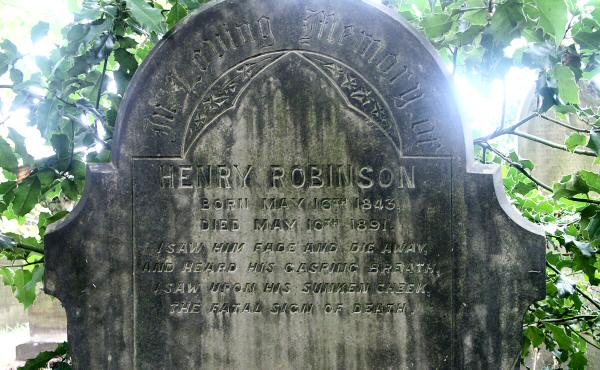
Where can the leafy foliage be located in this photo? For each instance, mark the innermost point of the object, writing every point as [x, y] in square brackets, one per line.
[561, 41]
[57, 359]
[66, 98]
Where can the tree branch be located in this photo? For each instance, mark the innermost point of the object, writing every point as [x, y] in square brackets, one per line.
[551, 144]
[512, 130]
[503, 119]
[101, 82]
[471, 9]
[566, 319]
[563, 124]
[94, 132]
[504, 131]
[30, 248]
[516, 165]
[520, 168]
[26, 264]
[584, 338]
[454, 60]
[583, 294]
[569, 26]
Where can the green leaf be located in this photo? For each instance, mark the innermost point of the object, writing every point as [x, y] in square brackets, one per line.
[588, 40]
[524, 187]
[24, 293]
[147, 16]
[27, 195]
[594, 142]
[570, 186]
[69, 188]
[565, 287]
[127, 62]
[39, 31]
[41, 361]
[593, 227]
[436, 25]
[20, 147]
[553, 18]
[561, 337]
[62, 366]
[568, 90]
[16, 76]
[6, 242]
[8, 160]
[592, 180]
[478, 18]
[127, 43]
[78, 169]
[62, 148]
[578, 361]
[526, 163]
[576, 139]
[506, 23]
[9, 48]
[177, 13]
[535, 335]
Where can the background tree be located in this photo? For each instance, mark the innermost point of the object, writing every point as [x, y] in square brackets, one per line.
[73, 96]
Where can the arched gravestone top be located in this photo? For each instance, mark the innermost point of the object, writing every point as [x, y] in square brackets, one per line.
[289, 190]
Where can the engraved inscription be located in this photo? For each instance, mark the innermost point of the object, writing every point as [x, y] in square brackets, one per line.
[227, 37]
[162, 119]
[382, 271]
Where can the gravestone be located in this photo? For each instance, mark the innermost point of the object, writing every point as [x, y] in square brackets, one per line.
[563, 163]
[47, 327]
[290, 189]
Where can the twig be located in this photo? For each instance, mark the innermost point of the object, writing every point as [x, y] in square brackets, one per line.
[72, 145]
[520, 168]
[508, 130]
[6, 86]
[503, 119]
[26, 264]
[454, 60]
[583, 200]
[101, 82]
[94, 132]
[73, 105]
[577, 317]
[484, 152]
[563, 124]
[475, 8]
[583, 294]
[516, 165]
[584, 338]
[551, 144]
[3, 121]
[30, 248]
[569, 26]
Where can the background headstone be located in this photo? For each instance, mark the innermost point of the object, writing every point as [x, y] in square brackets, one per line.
[47, 327]
[290, 189]
[562, 163]
[11, 311]
[549, 171]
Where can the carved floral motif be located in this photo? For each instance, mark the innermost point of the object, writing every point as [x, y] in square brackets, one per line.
[224, 93]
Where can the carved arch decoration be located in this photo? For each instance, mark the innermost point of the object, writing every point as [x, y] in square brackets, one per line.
[224, 94]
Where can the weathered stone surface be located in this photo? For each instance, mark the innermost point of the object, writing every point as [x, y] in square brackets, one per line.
[290, 190]
[47, 327]
[562, 163]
